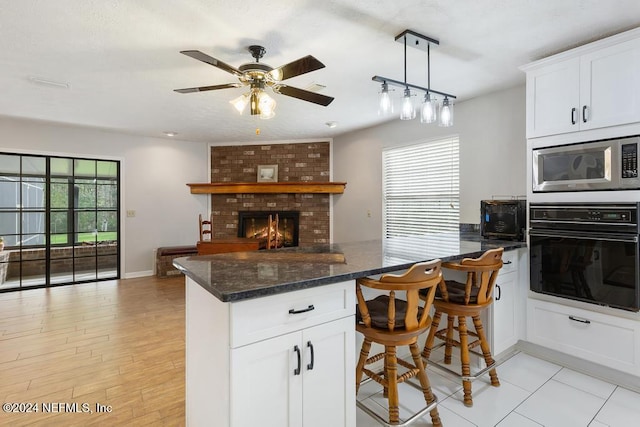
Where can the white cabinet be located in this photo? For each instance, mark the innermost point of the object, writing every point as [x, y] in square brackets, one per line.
[507, 314]
[553, 99]
[242, 358]
[594, 86]
[600, 338]
[297, 379]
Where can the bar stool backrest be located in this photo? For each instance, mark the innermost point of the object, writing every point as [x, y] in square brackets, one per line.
[424, 275]
[481, 273]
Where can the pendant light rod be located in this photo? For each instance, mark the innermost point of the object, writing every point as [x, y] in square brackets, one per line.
[381, 79]
[405, 62]
[428, 68]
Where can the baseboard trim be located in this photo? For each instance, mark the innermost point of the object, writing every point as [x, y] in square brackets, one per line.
[136, 274]
[595, 370]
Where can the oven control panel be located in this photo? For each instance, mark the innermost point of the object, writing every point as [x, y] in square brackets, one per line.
[609, 214]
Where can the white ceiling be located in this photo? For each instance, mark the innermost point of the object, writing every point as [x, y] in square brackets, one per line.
[121, 60]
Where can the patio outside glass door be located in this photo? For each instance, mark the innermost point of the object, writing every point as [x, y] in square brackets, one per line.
[59, 219]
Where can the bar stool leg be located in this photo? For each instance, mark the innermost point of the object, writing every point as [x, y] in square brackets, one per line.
[392, 381]
[424, 383]
[449, 346]
[464, 359]
[486, 350]
[364, 354]
[426, 352]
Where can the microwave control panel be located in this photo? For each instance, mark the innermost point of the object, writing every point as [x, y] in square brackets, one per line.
[629, 160]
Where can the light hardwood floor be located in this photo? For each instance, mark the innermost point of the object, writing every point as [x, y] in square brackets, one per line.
[117, 343]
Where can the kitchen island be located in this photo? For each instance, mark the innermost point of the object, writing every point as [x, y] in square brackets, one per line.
[270, 337]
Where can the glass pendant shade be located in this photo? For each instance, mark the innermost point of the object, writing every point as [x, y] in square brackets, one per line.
[385, 106]
[408, 111]
[267, 106]
[429, 109]
[446, 113]
[240, 103]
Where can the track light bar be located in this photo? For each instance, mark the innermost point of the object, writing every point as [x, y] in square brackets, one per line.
[398, 83]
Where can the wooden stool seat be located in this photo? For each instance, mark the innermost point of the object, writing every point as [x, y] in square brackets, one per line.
[392, 321]
[460, 301]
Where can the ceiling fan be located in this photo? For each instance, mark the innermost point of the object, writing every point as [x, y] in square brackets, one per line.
[258, 76]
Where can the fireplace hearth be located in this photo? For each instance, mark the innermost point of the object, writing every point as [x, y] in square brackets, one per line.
[253, 224]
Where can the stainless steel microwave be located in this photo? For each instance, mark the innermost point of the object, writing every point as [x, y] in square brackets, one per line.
[599, 165]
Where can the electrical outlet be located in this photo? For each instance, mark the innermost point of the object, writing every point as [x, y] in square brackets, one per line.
[131, 213]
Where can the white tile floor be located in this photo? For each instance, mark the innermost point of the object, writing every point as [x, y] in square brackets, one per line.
[533, 392]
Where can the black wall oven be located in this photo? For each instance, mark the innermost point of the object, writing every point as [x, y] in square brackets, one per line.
[586, 252]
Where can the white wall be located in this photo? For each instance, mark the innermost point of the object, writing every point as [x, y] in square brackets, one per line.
[154, 174]
[493, 145]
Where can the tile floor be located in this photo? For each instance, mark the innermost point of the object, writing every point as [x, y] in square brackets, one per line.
[533, 392]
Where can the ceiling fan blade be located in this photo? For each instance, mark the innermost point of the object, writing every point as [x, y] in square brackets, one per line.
[296, 68]
[205, 88]
[196, 54]
[305, 95]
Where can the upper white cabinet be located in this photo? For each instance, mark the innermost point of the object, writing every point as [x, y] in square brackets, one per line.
[593, 86]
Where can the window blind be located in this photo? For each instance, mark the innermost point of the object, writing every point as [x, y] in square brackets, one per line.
[421, 192]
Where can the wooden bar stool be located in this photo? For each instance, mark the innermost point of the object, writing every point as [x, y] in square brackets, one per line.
[462, 300]
[391, 321]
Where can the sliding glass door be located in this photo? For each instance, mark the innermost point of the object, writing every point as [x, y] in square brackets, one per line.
[59, 219]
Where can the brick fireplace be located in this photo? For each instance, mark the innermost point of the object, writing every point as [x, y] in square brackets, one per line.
[297, 162]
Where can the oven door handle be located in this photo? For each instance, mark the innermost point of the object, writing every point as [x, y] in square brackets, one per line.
[629, 238]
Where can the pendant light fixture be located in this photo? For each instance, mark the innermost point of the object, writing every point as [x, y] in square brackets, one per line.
[430, 108]
[385, 106]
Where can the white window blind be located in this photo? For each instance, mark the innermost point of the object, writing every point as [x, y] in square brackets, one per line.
[421, 188]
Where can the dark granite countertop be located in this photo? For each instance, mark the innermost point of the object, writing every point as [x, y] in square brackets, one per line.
[242, 275]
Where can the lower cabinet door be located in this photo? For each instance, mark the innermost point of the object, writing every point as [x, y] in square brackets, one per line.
[301, 379]
[329, 376]
[504, 325]
[266, 386]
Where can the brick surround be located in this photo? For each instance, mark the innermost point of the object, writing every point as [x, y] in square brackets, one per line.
[297, 162]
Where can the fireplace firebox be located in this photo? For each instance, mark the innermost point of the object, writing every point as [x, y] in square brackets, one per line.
[253, 224]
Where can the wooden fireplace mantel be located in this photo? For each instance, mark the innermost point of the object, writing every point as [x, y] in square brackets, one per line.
[267, 187]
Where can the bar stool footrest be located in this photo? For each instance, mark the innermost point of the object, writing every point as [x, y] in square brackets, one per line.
[476, 375]
[421, 413]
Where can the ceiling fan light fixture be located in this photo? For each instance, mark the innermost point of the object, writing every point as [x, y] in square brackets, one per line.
[258, 76]
[266, 106]
[240, 103]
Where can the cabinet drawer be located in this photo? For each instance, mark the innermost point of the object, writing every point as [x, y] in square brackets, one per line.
[261, 318]
[600, 338]
[509, 262]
